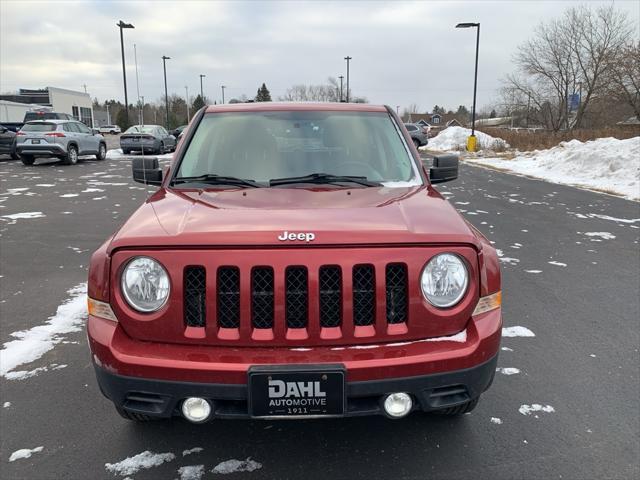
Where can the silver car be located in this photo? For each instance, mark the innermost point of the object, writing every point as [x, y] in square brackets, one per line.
[419, 134]
[147, 139]
[64, 139]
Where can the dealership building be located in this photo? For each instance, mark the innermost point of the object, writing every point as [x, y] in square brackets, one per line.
[77, 104]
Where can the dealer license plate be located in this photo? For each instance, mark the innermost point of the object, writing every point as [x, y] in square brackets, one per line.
[299, 392]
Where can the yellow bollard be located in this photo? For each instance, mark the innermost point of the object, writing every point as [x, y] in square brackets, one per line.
[471, 143]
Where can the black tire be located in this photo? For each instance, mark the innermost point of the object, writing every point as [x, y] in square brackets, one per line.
[112, 132]
[71, 158]
[14, 155]
[102, 152]
[416, 142]
[134, 417]
[459, 409]
[161, 150]
[27, 159]
[126, 151]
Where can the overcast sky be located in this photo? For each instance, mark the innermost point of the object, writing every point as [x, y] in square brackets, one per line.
[402, 53]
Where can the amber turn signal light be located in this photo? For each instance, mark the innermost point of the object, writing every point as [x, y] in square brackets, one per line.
[488, 303]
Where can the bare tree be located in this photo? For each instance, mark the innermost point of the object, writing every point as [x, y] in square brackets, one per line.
[567, 55]
[624, 78]
[328, 92]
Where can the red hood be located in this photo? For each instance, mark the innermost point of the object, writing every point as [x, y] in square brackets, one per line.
[257, 217]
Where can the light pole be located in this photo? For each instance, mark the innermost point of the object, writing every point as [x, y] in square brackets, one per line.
[201, 90]
[223, 87]
[398, 110]
[142, 113]
[135, 56]
[186, 90]
[166, 95]
[122, 25]
[471, 141]
[341, 77]
[347, 58]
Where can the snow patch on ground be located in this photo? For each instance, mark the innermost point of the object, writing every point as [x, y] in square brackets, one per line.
[496, 420]
[16, 216]
[24, 453]
[613, 219]
[69, 195]
[191, 472]
[605, 164]
[233, 466]
[455, 138]
[533, 271]
[6, 404]
[603, 235]
[34, 343]
[558, 264]
[192, 450]
[517, 332]
[144, 460]
[536, 407]
[508, 370]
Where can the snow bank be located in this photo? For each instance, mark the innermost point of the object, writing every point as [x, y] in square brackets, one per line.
[455, 138]
[34, 343]
[605, 164]
[24, 453]
[191, 472]
[233, 466]
[144, 460]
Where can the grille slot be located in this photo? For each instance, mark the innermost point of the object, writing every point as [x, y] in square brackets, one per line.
[228, 297]
[330, 296]
[262, 297]
[364, 295]
[396, 286]
[195, 286]
[297, 297]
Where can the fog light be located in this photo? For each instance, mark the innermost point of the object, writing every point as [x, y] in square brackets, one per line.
[196, 409]
[397, 405]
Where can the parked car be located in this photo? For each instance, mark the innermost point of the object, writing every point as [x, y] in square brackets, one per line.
[38, 115]
[147, 139]
[419, 134]
[64, 139]
[176, 132]
[274, 278]
[8, 142]
[110, 129]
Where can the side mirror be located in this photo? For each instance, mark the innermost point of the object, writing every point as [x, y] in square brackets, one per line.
[444, 169]
[146, 170]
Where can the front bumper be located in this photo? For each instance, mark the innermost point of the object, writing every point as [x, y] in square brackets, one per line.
[153, 378]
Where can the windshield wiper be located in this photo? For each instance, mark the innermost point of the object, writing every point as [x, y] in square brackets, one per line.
[324, 178]
[213, 179]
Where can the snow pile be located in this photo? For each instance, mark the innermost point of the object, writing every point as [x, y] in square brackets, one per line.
[24, 453]
[233, 466]
[191, 472]
[34, 343]
[508, 370]
[131, 465]
[536, 407]
[455, 138]
[605, 164]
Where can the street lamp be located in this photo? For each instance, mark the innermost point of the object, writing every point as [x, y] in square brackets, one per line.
[201, 90]
[223, 87]
[471, 141]
[166, 95]
[186, 90]
[122, 25]
[347, 58]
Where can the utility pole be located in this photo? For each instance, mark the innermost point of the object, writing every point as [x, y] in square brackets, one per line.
[348, 59]
[135, 56]
[122, 25]
[398, 110]
[186, 90]
[471, 141]
[201, 90]
[108, 115]
[341, 77]
[223, 87]
[166, 95]
[85, 87]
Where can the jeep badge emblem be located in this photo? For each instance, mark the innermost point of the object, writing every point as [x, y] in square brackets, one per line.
[302, 236]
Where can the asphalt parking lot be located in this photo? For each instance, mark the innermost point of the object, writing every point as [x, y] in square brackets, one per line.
[563, 405]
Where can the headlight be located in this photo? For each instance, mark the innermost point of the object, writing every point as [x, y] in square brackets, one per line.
[444, 280]
[145, 284]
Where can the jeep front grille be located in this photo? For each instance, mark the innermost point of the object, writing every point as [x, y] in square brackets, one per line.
[283, 300]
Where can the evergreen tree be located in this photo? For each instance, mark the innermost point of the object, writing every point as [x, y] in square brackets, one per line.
[493, 114]
[263, 94]
[198, 103]
[121, 119]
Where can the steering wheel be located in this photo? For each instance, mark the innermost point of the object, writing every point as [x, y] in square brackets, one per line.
[376, 174]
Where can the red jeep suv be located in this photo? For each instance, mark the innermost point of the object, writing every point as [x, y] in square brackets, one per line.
[294, 262]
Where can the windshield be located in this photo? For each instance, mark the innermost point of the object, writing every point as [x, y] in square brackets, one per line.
[38, 127]
[264, 146]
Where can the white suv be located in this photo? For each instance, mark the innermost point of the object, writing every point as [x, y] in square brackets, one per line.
[111, 129]
[64, 139]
